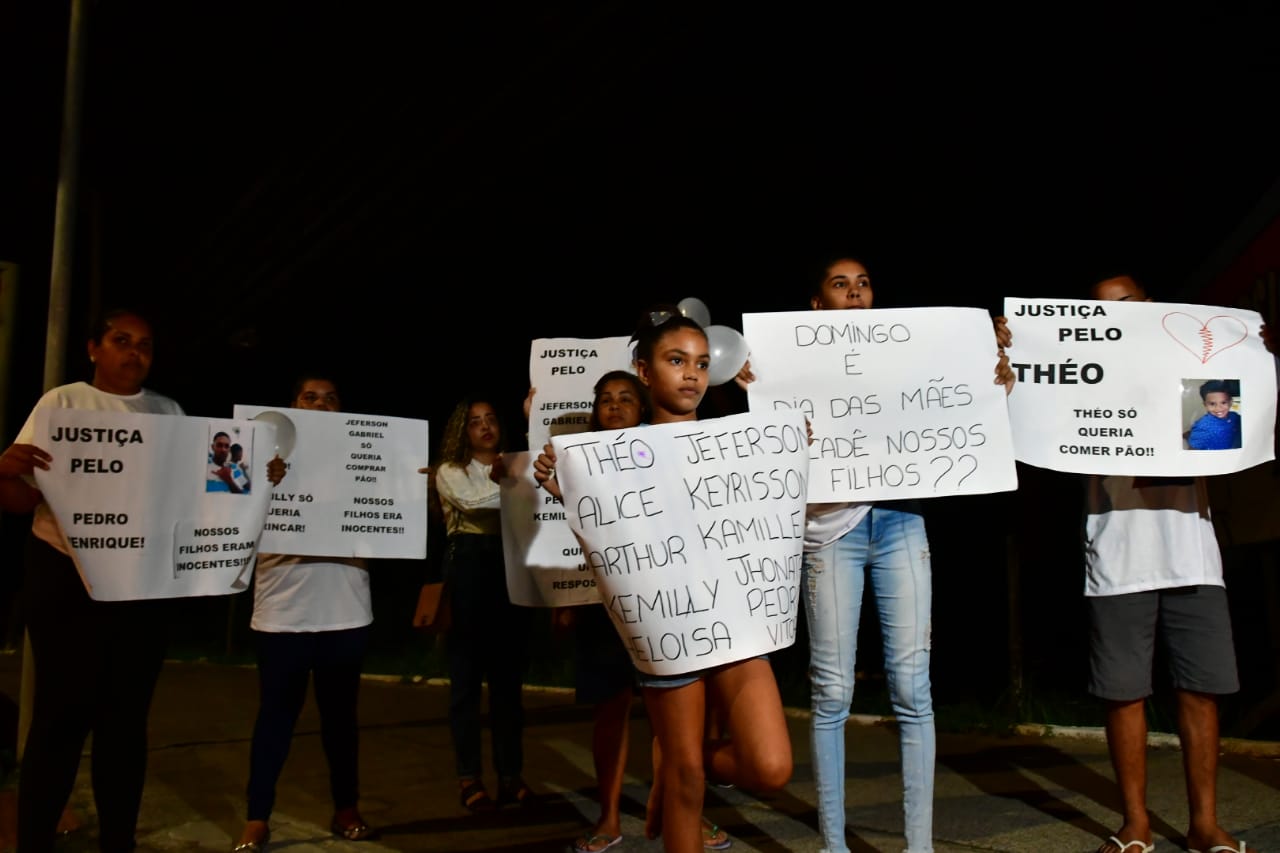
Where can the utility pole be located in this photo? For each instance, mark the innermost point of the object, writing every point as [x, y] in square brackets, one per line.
[64, 234]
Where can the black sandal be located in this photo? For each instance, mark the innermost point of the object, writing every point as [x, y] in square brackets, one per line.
[256, 845]
[356, 830]
[515, 792]
[475, 798]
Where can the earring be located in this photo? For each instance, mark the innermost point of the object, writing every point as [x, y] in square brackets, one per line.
[93, 358]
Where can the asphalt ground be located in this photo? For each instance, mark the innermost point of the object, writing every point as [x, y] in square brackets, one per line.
[1036, 790]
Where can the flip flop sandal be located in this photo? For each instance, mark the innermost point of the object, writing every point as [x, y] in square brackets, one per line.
[713, 837]
[587, 844]
[1143, 847]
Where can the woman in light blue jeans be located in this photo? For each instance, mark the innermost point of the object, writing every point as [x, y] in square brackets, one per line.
[889, 545]
[844, 543]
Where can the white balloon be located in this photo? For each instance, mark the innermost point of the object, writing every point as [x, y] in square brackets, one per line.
[696, 310]
[286, 433]
[728, 353]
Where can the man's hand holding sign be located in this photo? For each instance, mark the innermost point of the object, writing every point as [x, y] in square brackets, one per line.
[1124, 387]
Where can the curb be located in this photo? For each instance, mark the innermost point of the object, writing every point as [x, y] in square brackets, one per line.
[1155, 740]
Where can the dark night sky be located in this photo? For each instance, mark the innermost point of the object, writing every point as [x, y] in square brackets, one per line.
[409, 193]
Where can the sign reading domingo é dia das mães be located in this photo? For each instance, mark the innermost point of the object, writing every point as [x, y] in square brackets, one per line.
[1140, 388]
[143, 505]
[902, 400]
[694, 532]
[353, 487]
[544, 562]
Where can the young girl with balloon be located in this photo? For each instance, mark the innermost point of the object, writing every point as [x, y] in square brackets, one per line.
[673, 359]
[602, 667]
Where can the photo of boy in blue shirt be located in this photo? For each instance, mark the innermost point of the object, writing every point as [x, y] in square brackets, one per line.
[1219, 427]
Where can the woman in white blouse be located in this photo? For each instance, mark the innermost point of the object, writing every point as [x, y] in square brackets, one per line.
[488, 636]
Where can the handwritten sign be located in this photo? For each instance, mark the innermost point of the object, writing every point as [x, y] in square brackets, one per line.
[1127, 387]
[694, 532]
[353, 487]
[902, 401]
[544, 562]
[130, 493]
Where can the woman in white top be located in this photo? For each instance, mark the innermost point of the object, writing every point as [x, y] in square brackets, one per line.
[96, 662]
[311, 618]
[488, 638]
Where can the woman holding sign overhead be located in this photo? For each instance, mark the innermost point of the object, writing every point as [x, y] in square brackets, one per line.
[311, 618]
[96, 661]
[672, 358]
[488, 635]
[844, 545]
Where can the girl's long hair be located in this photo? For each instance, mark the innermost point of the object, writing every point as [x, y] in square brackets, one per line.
[455, 446]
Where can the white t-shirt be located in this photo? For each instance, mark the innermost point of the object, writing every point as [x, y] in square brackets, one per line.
[82, 395]
[826, 523]
[1144, 533]
[294, 594]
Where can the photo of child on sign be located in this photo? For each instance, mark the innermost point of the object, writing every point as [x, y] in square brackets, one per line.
[1214, 412]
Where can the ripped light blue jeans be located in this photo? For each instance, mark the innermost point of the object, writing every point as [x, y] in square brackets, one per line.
[889, 546]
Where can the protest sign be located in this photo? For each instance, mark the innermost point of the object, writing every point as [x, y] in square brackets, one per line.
[353, 487]
[152, 505]
[694, 532]
[902, 401]
[545, 566]
[564, 370]
[544, 562]
[1128, 387]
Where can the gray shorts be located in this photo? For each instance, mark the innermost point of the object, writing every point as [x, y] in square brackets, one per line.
[1194, 626]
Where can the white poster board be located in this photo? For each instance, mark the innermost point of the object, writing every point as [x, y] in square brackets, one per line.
[353, 487]
[545, 567]
[544, 562]
[1115, 387]
[903, 401]
[144, 511]
[694, 532]
[564, 370]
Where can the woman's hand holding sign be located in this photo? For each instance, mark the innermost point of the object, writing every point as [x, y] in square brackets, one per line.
[21, 460]
[544, 471]
[1004, 338]
[17, 461]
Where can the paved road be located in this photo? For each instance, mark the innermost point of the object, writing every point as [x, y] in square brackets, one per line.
[1011, 794]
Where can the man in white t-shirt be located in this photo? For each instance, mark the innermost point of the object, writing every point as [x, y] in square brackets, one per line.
[1153, 569]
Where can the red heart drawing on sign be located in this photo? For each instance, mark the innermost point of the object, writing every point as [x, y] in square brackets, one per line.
[1205, 339]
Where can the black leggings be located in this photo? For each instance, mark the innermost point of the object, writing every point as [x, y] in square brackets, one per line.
[332, 660]
[96, 665]
[488, 640]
